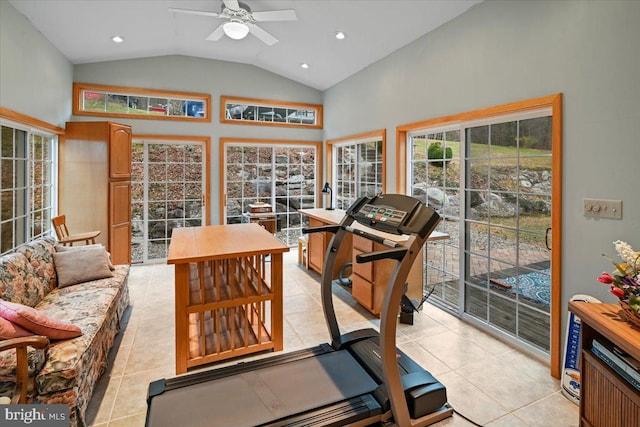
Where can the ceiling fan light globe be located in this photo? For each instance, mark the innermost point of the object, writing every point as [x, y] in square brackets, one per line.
[235, 30]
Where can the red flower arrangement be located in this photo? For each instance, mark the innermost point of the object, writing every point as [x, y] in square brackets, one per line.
[625, 280]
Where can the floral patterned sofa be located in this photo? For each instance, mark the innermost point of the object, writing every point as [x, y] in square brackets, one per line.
[66, 372]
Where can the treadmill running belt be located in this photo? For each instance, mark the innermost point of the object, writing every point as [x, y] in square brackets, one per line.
[259, 396]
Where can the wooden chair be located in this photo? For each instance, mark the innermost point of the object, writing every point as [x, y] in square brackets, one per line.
[22, 369]
[62, 232]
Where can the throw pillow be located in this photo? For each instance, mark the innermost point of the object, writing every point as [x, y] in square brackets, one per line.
[81, 265]
[10, 330]
[36, 322]
[60, 248]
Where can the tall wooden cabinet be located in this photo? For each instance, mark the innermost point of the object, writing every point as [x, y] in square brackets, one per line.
[95, 183]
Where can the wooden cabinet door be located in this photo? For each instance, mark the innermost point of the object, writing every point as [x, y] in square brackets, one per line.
[362, 291]
[382, 272]
[119, 151]
[120, 221]
[315, 251]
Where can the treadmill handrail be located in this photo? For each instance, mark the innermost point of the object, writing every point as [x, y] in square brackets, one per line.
[321, 228]
[377, 239]
[395, 253]
[326, 280]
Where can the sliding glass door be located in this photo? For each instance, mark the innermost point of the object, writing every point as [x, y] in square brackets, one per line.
[282, 175]
[491, 183]
[168, 187]
[507, 277]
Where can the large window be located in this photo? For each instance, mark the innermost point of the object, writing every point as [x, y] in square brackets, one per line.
[435, 180]
[357, 166]
[27, 188]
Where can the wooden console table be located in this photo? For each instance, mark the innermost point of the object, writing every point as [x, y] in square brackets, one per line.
[606, 399]
[369, 281]
[228, 299]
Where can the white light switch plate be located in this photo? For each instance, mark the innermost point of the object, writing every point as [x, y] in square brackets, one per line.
[600, 208]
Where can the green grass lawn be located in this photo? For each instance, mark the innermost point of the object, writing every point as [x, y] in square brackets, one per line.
[530, 158]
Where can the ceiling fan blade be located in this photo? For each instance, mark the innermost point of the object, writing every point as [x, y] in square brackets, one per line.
[194, 12]
[232, 4]
[261, 34]
[275, 15]
[217, 34]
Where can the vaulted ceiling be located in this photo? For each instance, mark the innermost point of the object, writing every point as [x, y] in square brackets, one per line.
[83, 29]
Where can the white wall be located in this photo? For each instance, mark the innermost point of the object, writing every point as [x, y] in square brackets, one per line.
[189, 74]
[35, 78]
[505, 51]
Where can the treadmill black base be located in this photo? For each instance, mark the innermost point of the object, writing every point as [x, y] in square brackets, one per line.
[423, 392]
[340, 414]
[315, 387]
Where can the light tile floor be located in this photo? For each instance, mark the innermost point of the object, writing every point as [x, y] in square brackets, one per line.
[487, 381]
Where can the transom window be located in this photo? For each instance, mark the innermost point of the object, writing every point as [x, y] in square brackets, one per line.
[357, 165]
[116, 101]
[266, 112]
[27, 190]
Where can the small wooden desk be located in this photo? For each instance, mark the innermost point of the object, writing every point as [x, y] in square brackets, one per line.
[370, 279]
[228, 300]
[264, 219]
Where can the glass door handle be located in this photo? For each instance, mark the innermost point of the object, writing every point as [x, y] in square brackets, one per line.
[546, 238]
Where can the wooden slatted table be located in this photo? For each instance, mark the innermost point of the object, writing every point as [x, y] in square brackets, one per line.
[228, 297]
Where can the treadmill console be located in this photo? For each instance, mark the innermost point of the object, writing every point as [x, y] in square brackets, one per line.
[395, 214]
[387, 215]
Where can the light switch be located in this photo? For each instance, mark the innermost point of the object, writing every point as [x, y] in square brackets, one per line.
[600, 208]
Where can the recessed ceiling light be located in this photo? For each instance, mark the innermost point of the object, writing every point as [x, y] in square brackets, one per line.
[340, 35]
[117, 39]
[304, 65]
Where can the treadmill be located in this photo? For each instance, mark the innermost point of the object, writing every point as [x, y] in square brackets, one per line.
[359, 379]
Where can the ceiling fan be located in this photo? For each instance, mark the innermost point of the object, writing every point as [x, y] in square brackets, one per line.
[241, 20]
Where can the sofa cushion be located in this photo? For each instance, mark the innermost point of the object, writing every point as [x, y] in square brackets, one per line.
[37, 322]
[19, 282]
[61, 248]
[39, 253]
[119, 279]
[92, 310]
[9, 330]
[81, 265]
